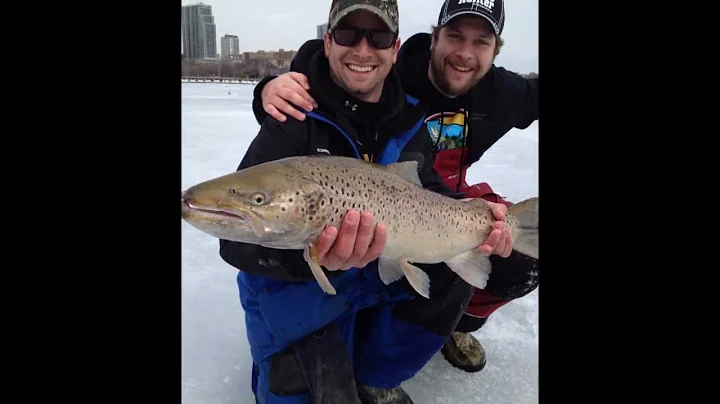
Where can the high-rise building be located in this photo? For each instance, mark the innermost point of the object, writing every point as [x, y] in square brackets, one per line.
[321, 30]
[229, 47]
[198, 32]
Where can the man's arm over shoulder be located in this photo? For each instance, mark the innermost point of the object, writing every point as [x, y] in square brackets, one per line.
[275, 140]
[300, 63]
[523, 94]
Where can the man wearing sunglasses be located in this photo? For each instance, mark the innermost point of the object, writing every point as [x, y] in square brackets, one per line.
[359, 345]
[472, 103]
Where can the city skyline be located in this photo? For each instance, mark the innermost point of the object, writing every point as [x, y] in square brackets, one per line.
[229, 46]
[287, 26]
[198, 32]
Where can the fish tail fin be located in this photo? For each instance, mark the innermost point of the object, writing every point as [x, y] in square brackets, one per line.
[526, 240]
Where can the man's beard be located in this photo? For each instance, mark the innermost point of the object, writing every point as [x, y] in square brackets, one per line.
[443, 84]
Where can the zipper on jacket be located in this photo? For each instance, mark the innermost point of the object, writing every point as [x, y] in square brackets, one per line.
[372, 155]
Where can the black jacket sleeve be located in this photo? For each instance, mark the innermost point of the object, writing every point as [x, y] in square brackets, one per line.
[523, 96]
[514, 276]
[257, 107]
[528, 95]
[275, 140]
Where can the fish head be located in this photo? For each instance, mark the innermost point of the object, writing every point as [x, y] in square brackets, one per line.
[270, 204]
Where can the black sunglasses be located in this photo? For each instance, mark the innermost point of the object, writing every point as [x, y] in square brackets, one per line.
[348, 36]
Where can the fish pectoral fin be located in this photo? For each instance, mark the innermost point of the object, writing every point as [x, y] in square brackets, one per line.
[417, 277]
[311, 257]
[474, 268]
[389, 270]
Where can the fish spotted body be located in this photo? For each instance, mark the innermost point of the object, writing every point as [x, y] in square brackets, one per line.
[287, 203]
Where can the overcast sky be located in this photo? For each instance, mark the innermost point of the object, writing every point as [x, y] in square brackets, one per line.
[287, 24]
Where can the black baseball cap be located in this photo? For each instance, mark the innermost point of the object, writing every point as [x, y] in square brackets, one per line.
[491, 10]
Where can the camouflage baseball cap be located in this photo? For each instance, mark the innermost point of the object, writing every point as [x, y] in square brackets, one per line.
[387, 10]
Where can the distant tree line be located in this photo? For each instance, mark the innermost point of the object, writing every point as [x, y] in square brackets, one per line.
[253, 69]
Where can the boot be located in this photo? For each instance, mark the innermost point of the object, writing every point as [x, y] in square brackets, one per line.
[464, 352]
[374, 395]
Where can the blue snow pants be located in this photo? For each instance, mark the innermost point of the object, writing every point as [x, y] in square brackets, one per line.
[364, 333]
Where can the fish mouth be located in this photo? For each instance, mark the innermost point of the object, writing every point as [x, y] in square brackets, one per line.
[188, 207]
[202, 216]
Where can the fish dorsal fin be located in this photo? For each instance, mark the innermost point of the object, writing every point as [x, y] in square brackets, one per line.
[406, 169]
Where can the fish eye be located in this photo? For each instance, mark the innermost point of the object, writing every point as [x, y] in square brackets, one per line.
[258, 198]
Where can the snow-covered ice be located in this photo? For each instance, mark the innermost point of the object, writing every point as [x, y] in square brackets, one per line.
[217, 127]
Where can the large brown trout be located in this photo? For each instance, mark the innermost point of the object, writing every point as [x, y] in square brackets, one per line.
[287, 203]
